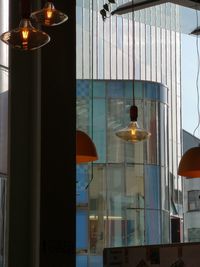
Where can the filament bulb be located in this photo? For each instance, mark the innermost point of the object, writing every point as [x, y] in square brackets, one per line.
[25, 34]
[49, 13]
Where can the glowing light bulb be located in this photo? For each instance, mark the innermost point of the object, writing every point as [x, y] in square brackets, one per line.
[25, 34]
[133, 131]
[49, 13]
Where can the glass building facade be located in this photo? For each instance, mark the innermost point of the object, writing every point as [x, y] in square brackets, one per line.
[129, 195]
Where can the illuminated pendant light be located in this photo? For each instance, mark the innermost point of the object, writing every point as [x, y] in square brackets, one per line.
[85, 148]
[133, 133]
[189, 165]
[49, 16]
[25, 37]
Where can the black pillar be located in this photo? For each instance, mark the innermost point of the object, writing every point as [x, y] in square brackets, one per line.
[58, 71]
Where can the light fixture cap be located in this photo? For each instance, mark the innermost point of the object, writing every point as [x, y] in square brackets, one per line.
[85, 148]
[49, 15]
[189, 165]
[133, 133]
[25, 37]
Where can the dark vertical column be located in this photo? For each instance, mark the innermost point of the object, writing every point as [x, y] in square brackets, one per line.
[57, 236]
[24, 154]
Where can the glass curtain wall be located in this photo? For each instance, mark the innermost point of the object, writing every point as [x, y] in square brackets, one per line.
[4, 71]
[119, 178]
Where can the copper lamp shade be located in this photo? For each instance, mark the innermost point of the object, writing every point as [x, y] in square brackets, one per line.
[49, 16]
[25, 37]
[85, 148]
[189, 165]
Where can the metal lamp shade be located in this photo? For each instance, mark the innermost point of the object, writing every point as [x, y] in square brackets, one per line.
[133, 133]
[189, 165]
[85, 148]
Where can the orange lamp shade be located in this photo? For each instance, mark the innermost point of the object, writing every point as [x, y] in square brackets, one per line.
[189, 165]
[85, 148]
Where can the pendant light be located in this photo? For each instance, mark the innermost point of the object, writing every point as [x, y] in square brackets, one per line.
[49, 15]
[189, 165]
[85, 148]
[25, 37]
[133, 133]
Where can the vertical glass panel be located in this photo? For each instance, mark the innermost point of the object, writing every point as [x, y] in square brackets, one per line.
[135, 227]
[86, 44]
[148, 52]
[142, 47]
[151, 125]
[115, 121]
[165, 227]
[82, 114]
[164, 189]
[137, 52]
[81, 261]
[107, 66]
[81, 183]
[125, 49]
[99, 89]
[97, 206]
[152, 187]
[82, 230]
[158, 53]
[153, 53]
[152, 227]
[96, 261]
[163, 56]
[134, 186]
[119, 48]
[115, 206]
[94, 28]
[100, 44]
[113, 47]
[99, 127]
[79, 43]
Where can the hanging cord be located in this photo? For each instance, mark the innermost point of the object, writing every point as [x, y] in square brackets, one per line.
[133, 108]
[197, 78]
[133, 44]
[92, 105]
[25, 9]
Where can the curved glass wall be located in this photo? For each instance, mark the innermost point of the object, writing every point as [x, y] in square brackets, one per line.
[128, 199]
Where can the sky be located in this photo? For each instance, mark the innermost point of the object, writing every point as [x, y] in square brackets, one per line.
[189, 68]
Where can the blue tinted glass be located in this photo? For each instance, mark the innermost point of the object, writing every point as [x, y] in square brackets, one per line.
[96, 261]
[152, 227]
[81, 182]
[81, 229]
[151, 90]
[98, 88]
[99, 128]
[115, 89]
[82, 87]
[152, 187]
[81, 261]
[128, 89]
[138, 89]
